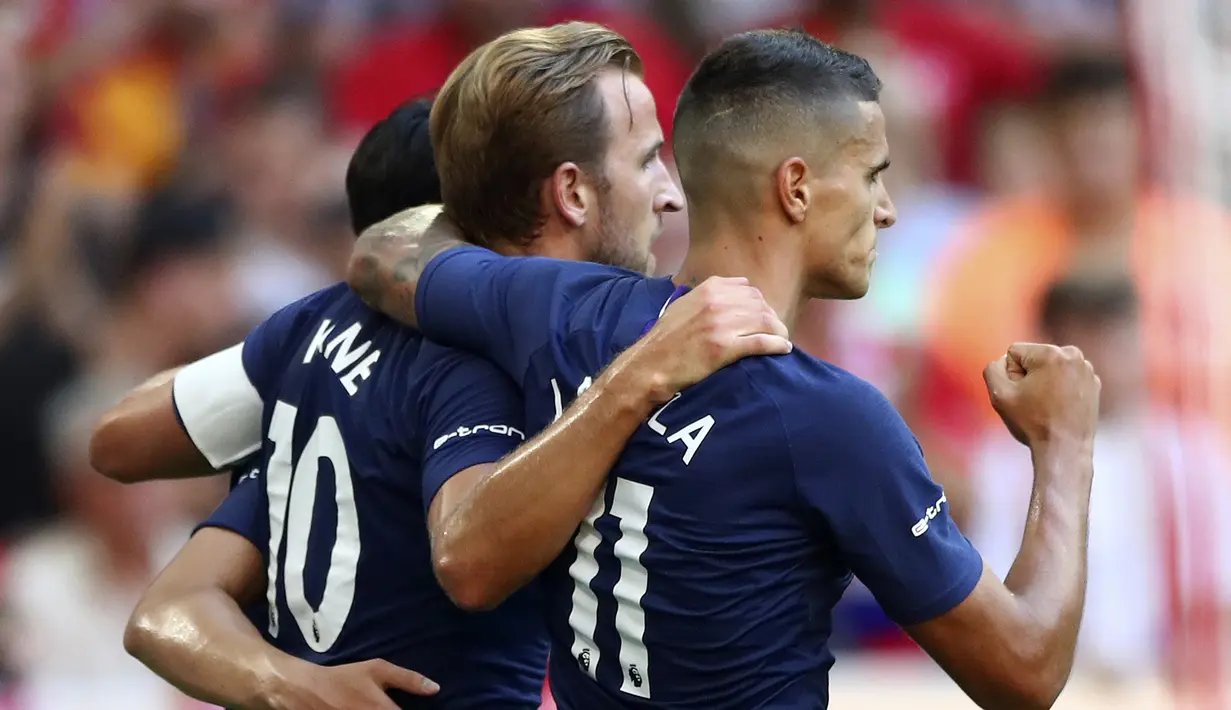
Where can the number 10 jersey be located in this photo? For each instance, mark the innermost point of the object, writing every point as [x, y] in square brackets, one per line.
[363, 422]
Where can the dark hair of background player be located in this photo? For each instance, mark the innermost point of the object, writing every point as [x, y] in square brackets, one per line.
[393, 169]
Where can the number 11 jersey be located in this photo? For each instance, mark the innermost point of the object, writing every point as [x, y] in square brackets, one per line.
[705, 573]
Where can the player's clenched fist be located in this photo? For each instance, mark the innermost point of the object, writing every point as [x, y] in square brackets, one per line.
[710, 327]
[1045, 393]
[354, 686]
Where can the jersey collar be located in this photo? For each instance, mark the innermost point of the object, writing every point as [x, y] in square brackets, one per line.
[675, 295]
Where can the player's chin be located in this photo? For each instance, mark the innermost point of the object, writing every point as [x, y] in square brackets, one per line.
[639, 259]
[857, 283]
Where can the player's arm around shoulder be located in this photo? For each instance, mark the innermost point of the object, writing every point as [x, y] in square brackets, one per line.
[390, 256]
[203, 417]
[471, 415]
[190, 629]
[184, 422]
[194, 601]
[511, 521]
[140, 439]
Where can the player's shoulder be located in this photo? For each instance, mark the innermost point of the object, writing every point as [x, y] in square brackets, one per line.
[330, 296]
[302, 313]
[570, 281]
[816, 398]
[335, 301]
[798, 378]
[331, 330]
[436, 363]
[337, 316]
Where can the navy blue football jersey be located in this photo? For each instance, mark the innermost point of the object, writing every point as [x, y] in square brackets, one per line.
[705, 574]
[364, 421]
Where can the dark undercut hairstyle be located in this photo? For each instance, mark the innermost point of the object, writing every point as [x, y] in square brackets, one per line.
[759, 86]
[393, 169]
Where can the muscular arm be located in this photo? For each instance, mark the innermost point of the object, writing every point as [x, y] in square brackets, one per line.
[1011, 645]
[189, 627]
[191, 421]
[491, 534]
[517, 520]
[390, 256]
[140, 439]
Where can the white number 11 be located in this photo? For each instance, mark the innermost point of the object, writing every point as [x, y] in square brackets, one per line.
[630, 505]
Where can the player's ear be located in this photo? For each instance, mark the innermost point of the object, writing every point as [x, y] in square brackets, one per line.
[568, 194]
[791, 181]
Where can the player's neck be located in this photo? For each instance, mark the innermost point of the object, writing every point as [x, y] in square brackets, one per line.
[552, 242]
[769, 262]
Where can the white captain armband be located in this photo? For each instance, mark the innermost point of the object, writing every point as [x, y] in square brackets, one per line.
[219, 407]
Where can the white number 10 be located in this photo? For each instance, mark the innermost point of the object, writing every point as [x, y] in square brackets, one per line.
[292, 502]
[630, 505]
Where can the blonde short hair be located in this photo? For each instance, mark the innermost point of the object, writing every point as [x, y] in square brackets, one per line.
[511, 113]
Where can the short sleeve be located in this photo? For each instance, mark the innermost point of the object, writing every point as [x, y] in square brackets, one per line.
[861, 471]
[219, 399]
[245, 510]
[219, 407]
[264, 350]
[503, 308]
[470, 412]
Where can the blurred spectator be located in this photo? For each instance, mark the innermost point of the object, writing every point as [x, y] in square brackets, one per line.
[69, 589]
[34, 363]
[364, 90]
[278, 158]
[108, 72]
[1160, 512]
[1098, 209]
[966, 58]
[167, 286]
[14, 108]
[1071, 23]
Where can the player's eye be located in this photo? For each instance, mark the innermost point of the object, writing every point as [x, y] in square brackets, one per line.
[652, 156]
[875, 175]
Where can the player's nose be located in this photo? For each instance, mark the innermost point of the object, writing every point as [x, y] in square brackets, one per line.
[886, 214]
[670, 198]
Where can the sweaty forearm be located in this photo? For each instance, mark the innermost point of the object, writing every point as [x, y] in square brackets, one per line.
[518, 519]
[390, 256]
[204, 645]
[1049, 575]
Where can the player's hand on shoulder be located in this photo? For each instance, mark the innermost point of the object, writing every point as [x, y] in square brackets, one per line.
[712, 326]
[1045, 393]
[354, 686]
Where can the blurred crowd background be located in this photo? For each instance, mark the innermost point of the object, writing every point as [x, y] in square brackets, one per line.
[171, 172]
